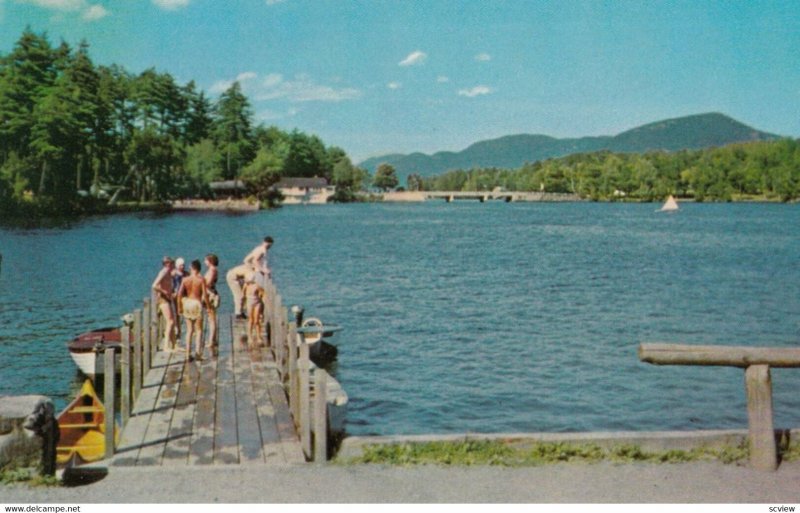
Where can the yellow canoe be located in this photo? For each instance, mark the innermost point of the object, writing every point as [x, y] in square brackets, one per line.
[82, 426]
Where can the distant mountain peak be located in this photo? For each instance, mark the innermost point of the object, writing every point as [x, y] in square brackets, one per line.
[512, 151]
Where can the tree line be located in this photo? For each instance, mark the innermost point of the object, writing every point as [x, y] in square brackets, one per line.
[769, 170]
[72, 132]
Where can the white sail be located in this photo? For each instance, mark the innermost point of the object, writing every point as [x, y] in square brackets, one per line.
[670, 205]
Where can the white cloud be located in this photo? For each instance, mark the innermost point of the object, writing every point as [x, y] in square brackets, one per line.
[414, 58]
[394, 85]
[302, 89]
[483, 57]
[270, 115]
[247, 75]
[58, 5]
[273, 2]
[475, 91]
[171, 5]
[273, 86]
[95, 12]
[441, 79]
[89, 12]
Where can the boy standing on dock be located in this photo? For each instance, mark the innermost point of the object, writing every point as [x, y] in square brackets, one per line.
[192, 297]
[257, 261]
[163, 289]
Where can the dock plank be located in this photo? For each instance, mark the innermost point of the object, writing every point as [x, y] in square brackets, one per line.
[155, 439]
[202, 441]
[290, 439]
[226, 443]
[249, 432]
[176, 451]
[271, 441]
[133, 434]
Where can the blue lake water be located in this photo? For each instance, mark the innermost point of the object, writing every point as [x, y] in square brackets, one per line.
[459, 317]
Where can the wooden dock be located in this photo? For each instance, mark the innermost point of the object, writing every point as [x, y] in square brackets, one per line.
[229, 409]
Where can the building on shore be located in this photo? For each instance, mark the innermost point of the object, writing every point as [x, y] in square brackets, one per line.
[301, 191]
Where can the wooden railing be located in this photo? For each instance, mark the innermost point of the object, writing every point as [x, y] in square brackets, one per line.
[758, 383]
[140, 339]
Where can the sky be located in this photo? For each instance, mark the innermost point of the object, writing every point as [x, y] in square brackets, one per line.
[379, 76]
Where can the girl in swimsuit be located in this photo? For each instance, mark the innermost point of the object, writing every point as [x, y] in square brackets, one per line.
[254, 294]
[213, 300]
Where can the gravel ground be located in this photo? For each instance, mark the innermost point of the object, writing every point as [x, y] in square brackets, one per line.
[699, 482]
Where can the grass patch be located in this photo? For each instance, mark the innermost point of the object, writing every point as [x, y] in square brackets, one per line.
[508, 454]
[28, 477]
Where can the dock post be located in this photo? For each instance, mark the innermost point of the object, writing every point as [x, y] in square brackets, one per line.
[125, 374]
[304, 406]
[763, 452]
[137, 353]
[146, 335]
[291, 348]
[108, 399]
[155, 337]
[320, 416]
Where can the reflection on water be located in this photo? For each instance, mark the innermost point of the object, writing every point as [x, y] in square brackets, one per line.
[458, 317]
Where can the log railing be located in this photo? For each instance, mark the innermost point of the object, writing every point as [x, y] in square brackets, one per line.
[758, 384]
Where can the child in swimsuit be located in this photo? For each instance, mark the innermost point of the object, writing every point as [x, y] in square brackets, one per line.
[254, 294]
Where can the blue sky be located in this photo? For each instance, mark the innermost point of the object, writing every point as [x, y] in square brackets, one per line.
[379, 76]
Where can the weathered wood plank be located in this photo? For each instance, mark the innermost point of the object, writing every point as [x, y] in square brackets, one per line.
[249, 432]
[763, 451]
[178, 444]
[271, 441]
[133, 435]
[125, 375]
[109, 378]
[155, 439]
[226, 445]
[137, 354]
[304, 402]
[735, 356]
[320, 416]
[202, 441]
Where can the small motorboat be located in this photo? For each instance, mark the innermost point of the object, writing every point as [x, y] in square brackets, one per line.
[314, 334]
[86, 348]
[82, 427]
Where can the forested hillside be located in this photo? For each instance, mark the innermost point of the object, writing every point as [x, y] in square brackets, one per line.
[757, 170]
[73, 133]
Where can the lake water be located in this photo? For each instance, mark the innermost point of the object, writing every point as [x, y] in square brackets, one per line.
[458, 317]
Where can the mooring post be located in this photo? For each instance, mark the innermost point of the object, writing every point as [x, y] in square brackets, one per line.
[291, 348]
[146, 334]
[125, 374]
[763, 450]
[108, 398]
[304, 421]
[137, 353]
[320, 416]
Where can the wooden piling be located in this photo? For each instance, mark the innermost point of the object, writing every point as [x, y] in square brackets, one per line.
[293, 382]
[125, 375]
[108, 399]
[303, 403]
[763, 451]
[146, 336]
[137, 353]
[320, 416]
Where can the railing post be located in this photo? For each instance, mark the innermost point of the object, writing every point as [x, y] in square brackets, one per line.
[320, 416]
[146, 334]
[304, 406]
[763, 452]
[138, 333]
[291, 348]
[125, 374]
[108, 396]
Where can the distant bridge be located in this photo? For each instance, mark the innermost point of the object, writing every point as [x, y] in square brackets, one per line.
[482, 196]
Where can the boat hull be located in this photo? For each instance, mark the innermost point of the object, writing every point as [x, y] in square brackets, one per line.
[85, 349]
[82, 429]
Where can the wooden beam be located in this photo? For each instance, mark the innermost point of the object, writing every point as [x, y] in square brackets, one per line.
[763, 452]
[734, 356]
[125, 375]
[108, 398]
[320, 416]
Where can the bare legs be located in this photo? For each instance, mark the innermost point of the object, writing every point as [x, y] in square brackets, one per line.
[169, 332]
[194, 328]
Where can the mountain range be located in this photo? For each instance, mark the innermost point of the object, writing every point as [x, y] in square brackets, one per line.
[512, 151]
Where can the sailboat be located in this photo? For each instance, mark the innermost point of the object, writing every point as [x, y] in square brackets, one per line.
[670, 205]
